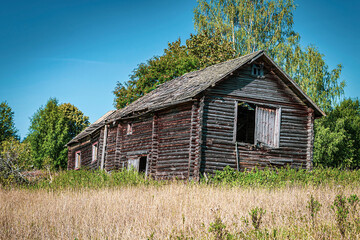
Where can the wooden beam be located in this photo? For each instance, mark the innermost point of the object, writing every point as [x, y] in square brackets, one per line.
[310, 143]
[199, 142]
[104, 147]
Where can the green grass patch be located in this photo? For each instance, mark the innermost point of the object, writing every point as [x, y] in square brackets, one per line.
[282, 177]
[268, 178]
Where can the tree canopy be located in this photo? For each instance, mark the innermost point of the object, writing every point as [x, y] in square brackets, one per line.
[51, 128]
[201, 50]
[252, 25]
[7, 125]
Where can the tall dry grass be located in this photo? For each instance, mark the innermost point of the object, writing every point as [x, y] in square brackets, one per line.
[174, 210]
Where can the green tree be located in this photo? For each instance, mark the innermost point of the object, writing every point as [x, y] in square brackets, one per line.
[337, 137]
[200, 51]
[14, 158]
[252, 25]
[16, 153]
[7, 126]
[51, 128]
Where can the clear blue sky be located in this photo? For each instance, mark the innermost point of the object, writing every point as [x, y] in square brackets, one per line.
[76, 50]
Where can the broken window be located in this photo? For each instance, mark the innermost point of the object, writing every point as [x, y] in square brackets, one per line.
[77, 159]
[94, 151]
[257, 124]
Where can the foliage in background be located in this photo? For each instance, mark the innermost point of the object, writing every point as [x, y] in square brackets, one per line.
[7, 125]
[51, 128]
[200, 51]
[337, 137]
[16, 151]
[268, 25]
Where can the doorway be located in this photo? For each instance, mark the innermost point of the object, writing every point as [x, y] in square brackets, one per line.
[138, 164]
[142, 164]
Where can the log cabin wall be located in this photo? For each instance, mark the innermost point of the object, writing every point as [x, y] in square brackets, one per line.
[173, 146]
[85, 148]
[218, 145]
[164, 137]
[109, 160]
[131, 145]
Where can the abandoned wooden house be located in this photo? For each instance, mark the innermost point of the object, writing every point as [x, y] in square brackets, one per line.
[244, 112]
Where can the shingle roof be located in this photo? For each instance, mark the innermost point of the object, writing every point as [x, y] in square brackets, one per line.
[184, 88]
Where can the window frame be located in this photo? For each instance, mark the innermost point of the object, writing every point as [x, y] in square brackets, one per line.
[77, 160]
[277, 124]
[94, 157]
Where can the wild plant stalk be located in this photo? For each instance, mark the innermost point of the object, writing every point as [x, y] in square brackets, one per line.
[314, 207]
[341, 211]
[256, 215]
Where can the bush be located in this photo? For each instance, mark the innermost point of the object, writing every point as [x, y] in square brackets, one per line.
[337, 137]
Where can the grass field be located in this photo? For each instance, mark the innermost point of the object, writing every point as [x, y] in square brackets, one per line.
[177, 210]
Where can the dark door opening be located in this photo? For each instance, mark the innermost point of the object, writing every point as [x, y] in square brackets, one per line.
[142, 164]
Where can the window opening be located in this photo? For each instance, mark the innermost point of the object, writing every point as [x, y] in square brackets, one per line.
[77, 159]
[95, 151]
[257, 70]
[258, 124]
[245, 123]
[129, 129]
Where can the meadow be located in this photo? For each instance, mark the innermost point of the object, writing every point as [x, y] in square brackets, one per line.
[282, 204]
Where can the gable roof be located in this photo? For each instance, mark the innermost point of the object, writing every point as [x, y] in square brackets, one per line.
[186, 87]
